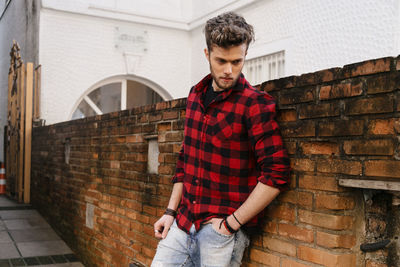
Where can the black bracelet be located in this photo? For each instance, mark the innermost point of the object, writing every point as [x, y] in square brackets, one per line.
[228, 227]
[170, 212]
[237, 219]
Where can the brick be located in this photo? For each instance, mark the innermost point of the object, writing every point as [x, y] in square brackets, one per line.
[290, 147]
[155, 117]
[170, 137]
[396, 126]
[176, 148]
[166, 169]
[369, 67]
[298, 129]
[305, 79]
[143, 118]
[169, 115]
[333, 202]
[288, 196]
[270, 227]
[178, 125]
[287, 115]
[302, 165]
[398, 102]
[329, 240]
[304, 199]
[383, 147]
[319, 148]
[165, 148]
[171, 158]
[292, 263]
[381, 127]
[371, 263]
[164, 126]
[373, 105]
[339, 166]
[328, 75]
[148, 128]
[279, 246]
[341, 128]
[326, 258]
[136, 138]
[328, 221]
[114, 164]
[283, 212]
[297, 95]
[382, 84]
[308, 111]
[382, 168]
[340, 91]
[264, 257]
[133, 166]
[295, 232]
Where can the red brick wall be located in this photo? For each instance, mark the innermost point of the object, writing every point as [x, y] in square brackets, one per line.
[336, 123]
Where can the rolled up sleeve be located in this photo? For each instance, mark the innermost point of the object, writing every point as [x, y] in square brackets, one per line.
[266, 141]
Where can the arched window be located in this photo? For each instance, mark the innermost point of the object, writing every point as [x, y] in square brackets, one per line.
[116, 94]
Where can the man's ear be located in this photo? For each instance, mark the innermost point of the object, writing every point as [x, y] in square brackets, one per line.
[207, 54]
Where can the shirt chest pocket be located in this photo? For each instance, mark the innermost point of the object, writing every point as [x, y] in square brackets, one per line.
[222, 126]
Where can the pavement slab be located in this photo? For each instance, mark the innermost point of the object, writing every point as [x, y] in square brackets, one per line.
[26, 239]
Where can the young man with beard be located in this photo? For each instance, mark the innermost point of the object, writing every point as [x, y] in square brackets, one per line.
[232, 163]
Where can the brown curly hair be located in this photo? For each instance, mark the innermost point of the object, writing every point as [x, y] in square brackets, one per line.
[228, 29]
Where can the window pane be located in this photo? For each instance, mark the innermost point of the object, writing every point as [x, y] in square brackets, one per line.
[107, 98]
[139, 94]
[83, 110]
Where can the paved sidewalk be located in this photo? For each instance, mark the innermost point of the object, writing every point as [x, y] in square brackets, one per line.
[26, 239]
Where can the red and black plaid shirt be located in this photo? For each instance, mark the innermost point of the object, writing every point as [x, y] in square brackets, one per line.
[227, 149]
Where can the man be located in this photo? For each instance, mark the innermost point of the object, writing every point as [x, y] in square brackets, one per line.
[232, 163]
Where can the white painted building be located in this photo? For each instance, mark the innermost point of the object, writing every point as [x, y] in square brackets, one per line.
[103, 55]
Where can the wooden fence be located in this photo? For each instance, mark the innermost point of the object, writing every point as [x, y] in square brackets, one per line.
[23, 107]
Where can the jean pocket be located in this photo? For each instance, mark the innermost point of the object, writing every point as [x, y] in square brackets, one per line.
[219, 234]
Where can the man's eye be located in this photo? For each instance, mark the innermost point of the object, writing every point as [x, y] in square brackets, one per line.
[236, 62]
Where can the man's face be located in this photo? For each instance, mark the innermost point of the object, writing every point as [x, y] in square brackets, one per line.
[226, 65]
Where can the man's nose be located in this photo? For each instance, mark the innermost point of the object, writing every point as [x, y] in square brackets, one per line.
[228, 69]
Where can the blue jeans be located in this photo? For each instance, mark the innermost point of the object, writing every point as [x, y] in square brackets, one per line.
[205, 248]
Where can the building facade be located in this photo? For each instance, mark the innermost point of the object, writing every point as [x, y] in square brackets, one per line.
[102, 56]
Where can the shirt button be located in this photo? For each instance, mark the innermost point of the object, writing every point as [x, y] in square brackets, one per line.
[194, 202]
[196, 181]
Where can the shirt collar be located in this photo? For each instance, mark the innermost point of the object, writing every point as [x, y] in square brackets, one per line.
[203, 84]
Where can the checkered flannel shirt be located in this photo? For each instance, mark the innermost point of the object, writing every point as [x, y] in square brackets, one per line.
[227, 149]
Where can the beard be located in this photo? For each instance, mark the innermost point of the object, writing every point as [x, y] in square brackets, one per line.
[221, 84]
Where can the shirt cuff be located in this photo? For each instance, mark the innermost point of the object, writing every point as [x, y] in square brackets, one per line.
[280, 184]
[178, 178]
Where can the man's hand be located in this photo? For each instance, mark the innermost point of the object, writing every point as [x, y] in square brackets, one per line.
[216, 222]
[161, 227]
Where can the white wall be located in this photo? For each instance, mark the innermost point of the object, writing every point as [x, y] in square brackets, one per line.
[14, 26]
[77, 51]
[329, 33]
[78, 38]
[318, 34]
